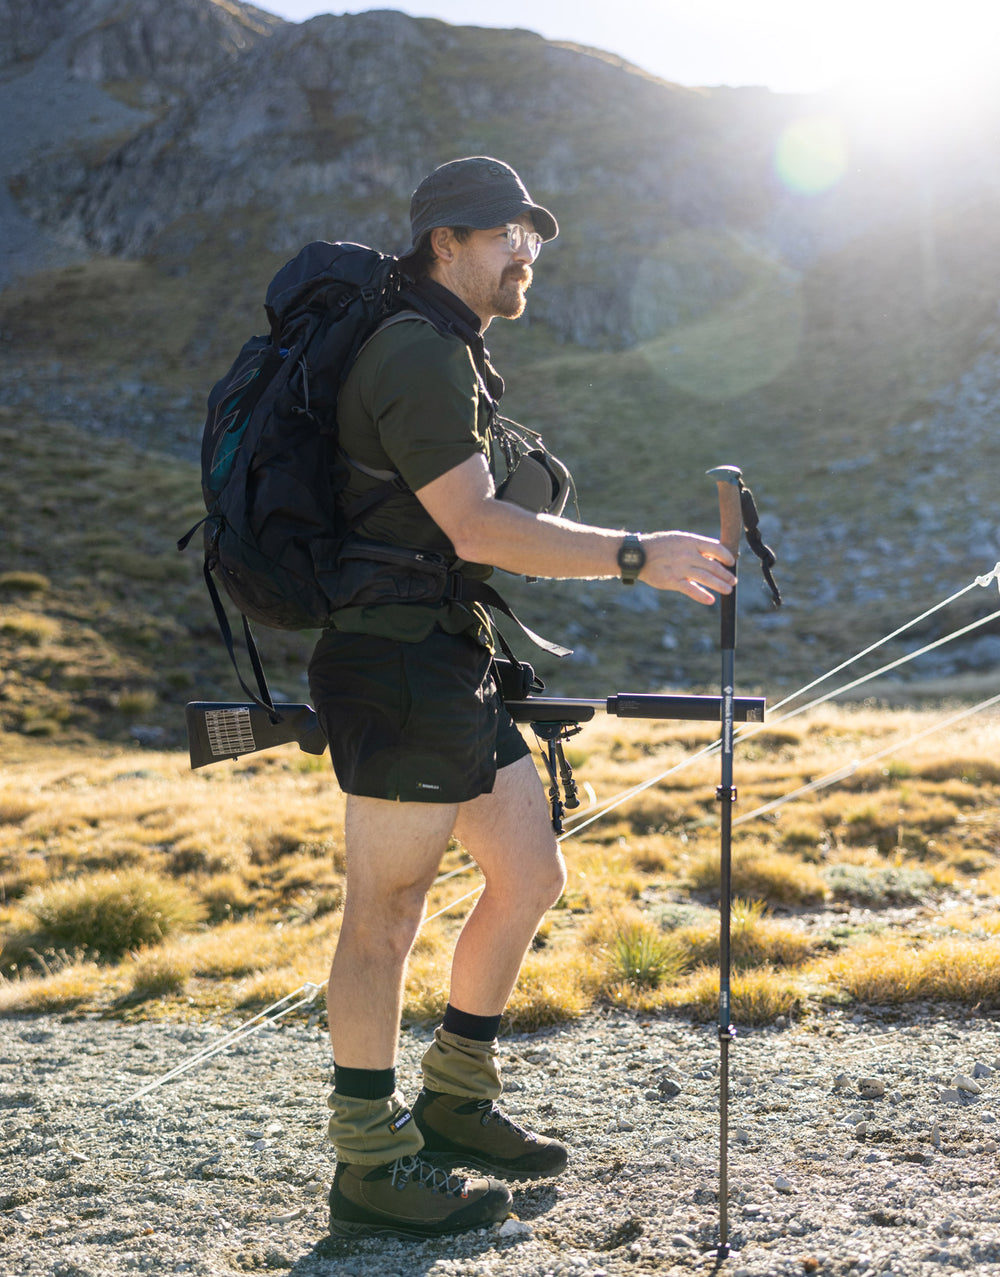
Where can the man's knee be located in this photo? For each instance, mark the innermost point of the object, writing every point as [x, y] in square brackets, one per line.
[386, 924]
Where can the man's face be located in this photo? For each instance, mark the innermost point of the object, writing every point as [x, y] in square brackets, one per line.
[489, 276]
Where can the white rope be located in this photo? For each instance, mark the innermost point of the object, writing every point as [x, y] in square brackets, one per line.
[842, 773]
[980, 580]
[243, 1031]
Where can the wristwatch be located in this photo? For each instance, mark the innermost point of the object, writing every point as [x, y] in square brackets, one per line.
[631, 558]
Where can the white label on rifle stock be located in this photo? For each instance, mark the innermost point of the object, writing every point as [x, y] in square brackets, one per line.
[230, 731]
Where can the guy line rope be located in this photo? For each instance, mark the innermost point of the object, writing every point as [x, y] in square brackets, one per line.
[308, 992]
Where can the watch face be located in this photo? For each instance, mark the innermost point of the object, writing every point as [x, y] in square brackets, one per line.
[631, 558]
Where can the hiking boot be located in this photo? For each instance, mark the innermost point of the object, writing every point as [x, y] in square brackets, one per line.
[459, 1131]
[411, 1198]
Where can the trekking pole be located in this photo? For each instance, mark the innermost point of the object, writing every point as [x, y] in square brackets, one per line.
[729, 480]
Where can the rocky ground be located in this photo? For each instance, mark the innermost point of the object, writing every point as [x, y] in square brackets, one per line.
[858, 1145]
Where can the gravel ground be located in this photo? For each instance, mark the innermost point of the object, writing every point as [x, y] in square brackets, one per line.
[858, 1145]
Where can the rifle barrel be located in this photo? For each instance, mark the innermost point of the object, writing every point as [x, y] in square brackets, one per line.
[552, 709]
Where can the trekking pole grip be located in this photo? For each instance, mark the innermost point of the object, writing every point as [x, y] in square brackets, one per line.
[729, 480]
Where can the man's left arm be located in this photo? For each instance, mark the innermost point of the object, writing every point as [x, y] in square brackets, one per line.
[462, 502]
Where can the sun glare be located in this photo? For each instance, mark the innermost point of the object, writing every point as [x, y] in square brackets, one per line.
[896, 75]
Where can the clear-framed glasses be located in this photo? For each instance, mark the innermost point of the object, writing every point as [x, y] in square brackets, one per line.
[519, 237]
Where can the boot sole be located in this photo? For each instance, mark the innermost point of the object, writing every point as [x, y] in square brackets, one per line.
[351, 1228]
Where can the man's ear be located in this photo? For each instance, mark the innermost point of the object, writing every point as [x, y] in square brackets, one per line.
[443, 243]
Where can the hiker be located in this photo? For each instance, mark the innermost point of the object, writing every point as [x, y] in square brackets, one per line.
[421, 743]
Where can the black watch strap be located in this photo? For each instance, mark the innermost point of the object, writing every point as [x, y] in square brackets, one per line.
[631, 558]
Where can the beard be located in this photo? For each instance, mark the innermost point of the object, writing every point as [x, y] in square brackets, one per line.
[509, 299]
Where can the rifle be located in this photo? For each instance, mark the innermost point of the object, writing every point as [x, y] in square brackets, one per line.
[221, 729]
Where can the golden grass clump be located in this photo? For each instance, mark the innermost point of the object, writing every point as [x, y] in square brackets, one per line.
[78, 983]
[755, 940]
[159, 972]
[892, 969]
[552, 989]
[29, 627]
[108, 914]
[22, 582]
[760, 873]
[757, 996]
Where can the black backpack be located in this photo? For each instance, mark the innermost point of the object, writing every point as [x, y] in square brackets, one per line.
[271, 469]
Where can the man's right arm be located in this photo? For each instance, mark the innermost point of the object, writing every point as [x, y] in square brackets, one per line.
[463, 504]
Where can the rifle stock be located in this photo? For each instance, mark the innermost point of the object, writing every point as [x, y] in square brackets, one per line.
[222, 729]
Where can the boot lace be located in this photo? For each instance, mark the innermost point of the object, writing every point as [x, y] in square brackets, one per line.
[426, 1176]
[491, 1112]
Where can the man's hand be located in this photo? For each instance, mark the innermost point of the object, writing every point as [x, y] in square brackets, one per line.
[690, 564]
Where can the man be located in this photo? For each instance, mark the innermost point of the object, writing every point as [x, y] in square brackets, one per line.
[421, 742]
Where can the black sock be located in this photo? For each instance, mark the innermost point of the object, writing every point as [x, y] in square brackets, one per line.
[364, 1084]
[480, 1028]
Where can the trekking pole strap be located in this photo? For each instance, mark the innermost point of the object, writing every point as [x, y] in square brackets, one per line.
[738, 515]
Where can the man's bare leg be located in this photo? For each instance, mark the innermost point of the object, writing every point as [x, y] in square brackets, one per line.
[393, 851]
[509, 834]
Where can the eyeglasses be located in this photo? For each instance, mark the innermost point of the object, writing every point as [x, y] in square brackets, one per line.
[519, 237]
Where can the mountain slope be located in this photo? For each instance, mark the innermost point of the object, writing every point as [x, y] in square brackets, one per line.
[699, 307]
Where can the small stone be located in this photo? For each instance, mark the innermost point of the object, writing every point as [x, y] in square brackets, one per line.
[871, 1088]
[288, 1216]
[989, 1117]
[783, 1185]
[840, 1081]
[964, 1083]
[936, 1135]
[668, 1088]
[861, 1130]
[982, 1070]
[682, 1241]
[990, 1146]
[741, 1136]
[950, 1096]
[516, 1229]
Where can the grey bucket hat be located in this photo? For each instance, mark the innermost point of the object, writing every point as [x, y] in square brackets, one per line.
[478, 191]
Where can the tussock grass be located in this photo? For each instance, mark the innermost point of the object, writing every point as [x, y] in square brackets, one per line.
[755, 940]
[891, 970]
[28, 627]
[108, 914]
[636, 952]
[158, 973]
[760, 873]
[24, 583]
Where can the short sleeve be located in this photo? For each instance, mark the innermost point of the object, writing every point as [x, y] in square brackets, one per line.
[423, 396]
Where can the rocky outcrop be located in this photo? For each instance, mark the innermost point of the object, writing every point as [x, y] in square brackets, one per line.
[165, 52]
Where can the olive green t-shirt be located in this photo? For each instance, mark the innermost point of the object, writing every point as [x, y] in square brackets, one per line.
[412, 406]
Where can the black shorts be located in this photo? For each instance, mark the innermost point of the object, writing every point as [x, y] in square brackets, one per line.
[413, 722]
